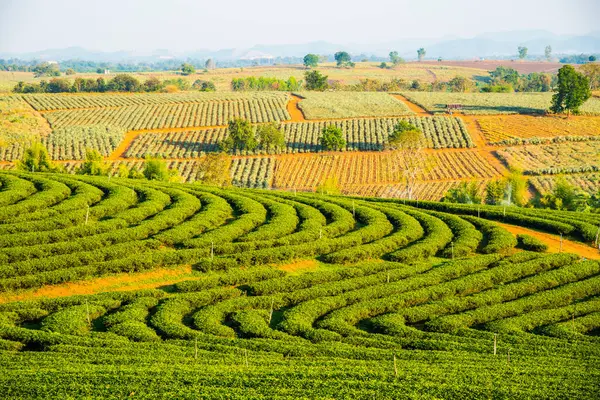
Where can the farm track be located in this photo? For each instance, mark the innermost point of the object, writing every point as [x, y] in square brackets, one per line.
[128, 138]
[418, 110]
[294, 110]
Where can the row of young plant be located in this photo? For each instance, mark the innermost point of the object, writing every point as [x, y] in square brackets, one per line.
[173, 115]
[45, 102]
[70, 143]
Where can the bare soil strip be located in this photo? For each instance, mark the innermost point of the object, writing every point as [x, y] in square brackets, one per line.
[553, 242]
[420, 111]
[123, 146]
[119, 282]
[294, 110]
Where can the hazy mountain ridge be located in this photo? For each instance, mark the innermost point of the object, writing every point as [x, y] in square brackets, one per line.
[486, 45]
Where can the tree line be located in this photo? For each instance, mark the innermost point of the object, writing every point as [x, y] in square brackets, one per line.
[119, 83]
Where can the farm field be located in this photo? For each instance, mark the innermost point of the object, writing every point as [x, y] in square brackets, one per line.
[423, 299]
[588, 183]
[569, 157]
[524, 129]
[493, 103]
[222, 76]
[308, 171]
[301, 137]
[330, 105]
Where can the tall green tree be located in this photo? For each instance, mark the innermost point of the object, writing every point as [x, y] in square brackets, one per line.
[187, 69]
[573, 89]
[522, 52]
[421, 53]
[270, 138]
[94, 164]
[240, 136]
[46, 69]
[464, 193]
[494, 192]
[395, 58]
[332, 138]
[155, 169]
[36, 159]
[315, 81]
[311, 60]
[343, 59]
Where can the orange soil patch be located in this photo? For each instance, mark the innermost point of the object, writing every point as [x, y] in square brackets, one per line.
[294, 110]
[118, 282]
[553, 242]
[299, 266]
[412, 106]
[124, 145]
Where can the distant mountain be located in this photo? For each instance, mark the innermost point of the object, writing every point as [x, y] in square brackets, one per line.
[486, 45]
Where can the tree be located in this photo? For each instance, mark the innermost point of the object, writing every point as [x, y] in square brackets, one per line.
[58, 85]
[383, 65]
[210, 64]
[516, 185]
[187, 69]
[464, 193]
[94, 164]
[421, 53]
[315, 81]
[123, 83]
[70, 71]
[548, 53]
[592, 71]
[502, 75]
[573, 89]
[592, 58]
[155, 169]
[395, 58]
[522, 52]
[564, 196]
[343, 59]
[270, 138]
[213, 169]
[240, 137]
[332, 138]
[153, 84]
[204, 86]
[494, 192]
[311, 60]
[410, 142]
[36, 159]
[460, 84]
[46, 69]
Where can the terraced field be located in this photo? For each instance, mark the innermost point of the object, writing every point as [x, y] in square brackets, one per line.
[416, 299]
[569, 157]
[523, 129]
[301, 137]
[493, 103]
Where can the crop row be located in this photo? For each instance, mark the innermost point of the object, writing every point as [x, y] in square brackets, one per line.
[43, 102]
[174, 115]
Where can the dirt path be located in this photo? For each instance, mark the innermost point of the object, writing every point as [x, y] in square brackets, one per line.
[485, 150]
[118, 282]
[123, 146]
[294, 110]
[420, 111]
[553, 242]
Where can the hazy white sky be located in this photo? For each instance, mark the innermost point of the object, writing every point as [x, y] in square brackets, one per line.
[181, 25]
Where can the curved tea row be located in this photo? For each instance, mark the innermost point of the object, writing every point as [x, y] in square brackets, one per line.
[405, 292]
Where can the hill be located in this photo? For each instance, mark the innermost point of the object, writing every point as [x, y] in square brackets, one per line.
[288, 295]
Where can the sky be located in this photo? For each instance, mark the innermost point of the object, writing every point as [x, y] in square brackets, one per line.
[186, 25]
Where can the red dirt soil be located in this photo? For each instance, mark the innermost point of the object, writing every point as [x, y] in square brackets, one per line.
[553, 242]
[118, 282]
